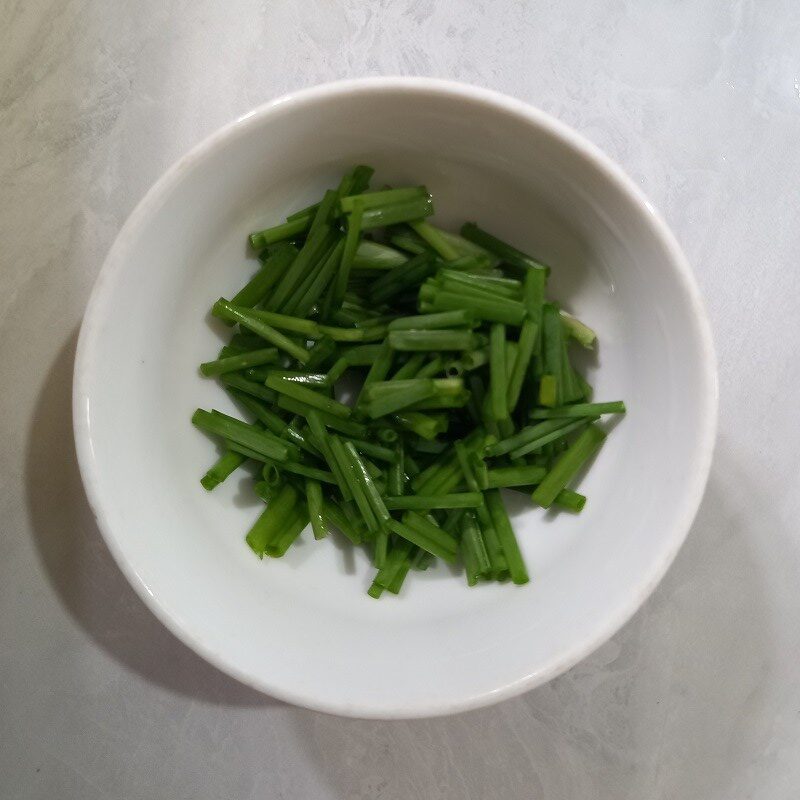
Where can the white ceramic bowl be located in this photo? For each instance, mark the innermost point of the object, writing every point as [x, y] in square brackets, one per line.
[302, 628]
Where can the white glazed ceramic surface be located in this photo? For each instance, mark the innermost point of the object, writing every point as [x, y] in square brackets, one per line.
[302, 628]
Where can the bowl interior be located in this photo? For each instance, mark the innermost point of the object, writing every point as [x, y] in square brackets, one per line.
[302, 627]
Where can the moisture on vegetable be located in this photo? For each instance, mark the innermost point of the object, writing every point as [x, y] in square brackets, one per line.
[459, 384]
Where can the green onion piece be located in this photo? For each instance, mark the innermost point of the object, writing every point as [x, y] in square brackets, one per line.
[407, 394]
[395, 213]
[272, 520]
[500, 288]
[374, 450]
[350, 247]
[444, 319]
[307, 471]
[340, 520]
[505, 533]
[363, 476]
[498, 383]
[373, 255]
[235, 430]
[528, 336]
[429, 537]
[396, 560]
[379, 369]
[567, 465]
[382, 198]
[307, 212]
[426, 502]
[404, 276]
[494, 549]
[293, 528]
[427, 426]
[504, 477]
[473, 550]
[548, 390]
[315, 513]
[577, 330]
[434, 238]
[263, 491]
[396, 481]
[252, 358]
[257, 287]
[580, 410]
[318, 243]
[278, 233]
[503, 250]
[348, 470]
[322, 351]
[569, 500]
[356, 181]
[308, 293]
[467, 249]
[427, 340]
[246, 318]
[224, 466]
[433, 367]
[523, 437]
[509, 312]
[316, 380]
[307, 327]
[308, 396]
[371, 333]
[410, 368]
[407, 239]
[553, 436]
[233, 380]
[346, 426]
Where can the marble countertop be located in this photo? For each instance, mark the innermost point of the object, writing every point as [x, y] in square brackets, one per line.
[698, 697]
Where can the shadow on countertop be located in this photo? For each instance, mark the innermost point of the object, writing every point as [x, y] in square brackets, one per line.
[81, 569]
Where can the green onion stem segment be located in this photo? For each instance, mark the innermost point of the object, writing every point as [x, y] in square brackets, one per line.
[315, 510]
[272, 521]
[473, 550]
[395, 561]
[443, 319]
[494, 548]
[582, 333]
[235, 430]
[348, 470]
[568, 464]
[488, 309]
[569, 500]
[251, 358]
[432, 340]
[505, 533]
[504, 251]
[579, 410]
[498, 385]
[435, 239]
[350, 247]
[256, 289]
[373, 496]
[308, 396]
[227, 463]
[424, 534]
[340, 520]
[246, 319]
[504, 477]
[551, 436]
[427, 502]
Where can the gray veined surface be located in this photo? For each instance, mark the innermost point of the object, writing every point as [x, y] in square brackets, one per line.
[698, 696]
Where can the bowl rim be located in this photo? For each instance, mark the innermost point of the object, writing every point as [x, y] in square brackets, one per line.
[85, 365]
